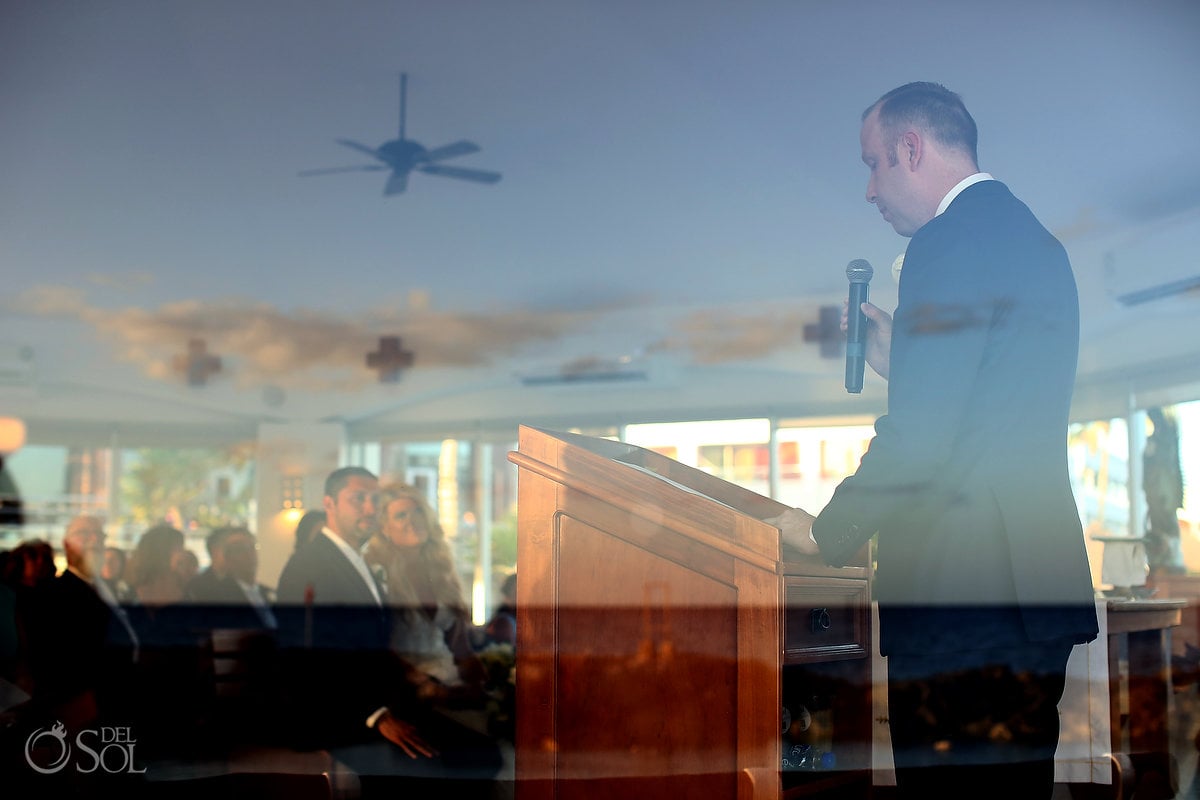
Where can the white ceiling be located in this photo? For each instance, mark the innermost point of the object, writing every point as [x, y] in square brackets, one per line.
[682, 191]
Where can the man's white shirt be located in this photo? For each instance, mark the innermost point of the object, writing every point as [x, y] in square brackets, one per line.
[356, 559]
[970, 180]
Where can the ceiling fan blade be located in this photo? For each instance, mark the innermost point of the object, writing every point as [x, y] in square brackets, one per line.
[396, 184]
[362, 148]
[452, 150]
[330, 170]
[477, 175]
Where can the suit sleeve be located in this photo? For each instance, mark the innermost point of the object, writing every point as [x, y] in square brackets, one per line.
[940, 336]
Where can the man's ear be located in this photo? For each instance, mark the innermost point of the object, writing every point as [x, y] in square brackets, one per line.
[912, 149]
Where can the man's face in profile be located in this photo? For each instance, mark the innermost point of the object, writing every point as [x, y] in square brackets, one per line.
[351, 514]
[891, 185]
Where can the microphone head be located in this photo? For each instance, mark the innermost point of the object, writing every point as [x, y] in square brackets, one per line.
[859, 271]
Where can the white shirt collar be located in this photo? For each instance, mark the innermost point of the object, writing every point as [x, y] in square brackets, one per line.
[970, 180]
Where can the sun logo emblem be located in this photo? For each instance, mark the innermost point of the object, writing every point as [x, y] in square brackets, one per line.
[32, 755]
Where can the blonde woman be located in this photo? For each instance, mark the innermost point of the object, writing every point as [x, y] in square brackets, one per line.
[410, 556]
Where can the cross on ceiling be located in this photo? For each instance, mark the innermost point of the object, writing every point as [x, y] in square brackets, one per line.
[198, 365]
[827, 331]
[389, 359]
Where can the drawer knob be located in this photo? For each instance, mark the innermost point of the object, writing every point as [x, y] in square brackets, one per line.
[818, 620]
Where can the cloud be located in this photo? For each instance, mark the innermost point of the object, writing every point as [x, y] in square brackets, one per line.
[463, 340]
[121, 280]
[715, 336]
[301, 349]
[51, 301]
[316, 350]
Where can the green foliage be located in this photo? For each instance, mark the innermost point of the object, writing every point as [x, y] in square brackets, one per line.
[504, 541]
[180, 484]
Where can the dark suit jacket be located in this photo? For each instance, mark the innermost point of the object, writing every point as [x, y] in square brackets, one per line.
[77, 644]
[966, 480]
[219, 602]
[335, 637]
[201, 587]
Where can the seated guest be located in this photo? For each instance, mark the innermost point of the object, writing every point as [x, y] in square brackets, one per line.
[113, 573]
[233, 597]
[430, 622]
[82, 657]
[186, 566]
[30, 564]
[28, 573]
[349, 692]
[203, 585]
[152, 573]
[168, 628]
[81, 646]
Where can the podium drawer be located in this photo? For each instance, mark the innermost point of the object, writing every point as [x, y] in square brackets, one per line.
[825, 619]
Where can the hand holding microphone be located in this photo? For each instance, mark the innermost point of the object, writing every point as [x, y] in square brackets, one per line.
[859, 273]
[868, 329]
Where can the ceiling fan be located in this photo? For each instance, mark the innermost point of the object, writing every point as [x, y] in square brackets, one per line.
[403, 156]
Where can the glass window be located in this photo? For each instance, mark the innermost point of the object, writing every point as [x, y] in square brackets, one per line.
[1098, 460]
[814, 458]
[736, 450]
[1098, 455]
[193, 489]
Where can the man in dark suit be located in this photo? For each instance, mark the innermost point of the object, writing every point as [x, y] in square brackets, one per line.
[351, 691]
[201, 588]
[231, 596]
[332, 610]
[983, 582]
[81, 646]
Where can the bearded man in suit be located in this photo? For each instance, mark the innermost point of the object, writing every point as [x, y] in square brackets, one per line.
[348, 688]
[82, 649]
[983, 581]
[332, 609]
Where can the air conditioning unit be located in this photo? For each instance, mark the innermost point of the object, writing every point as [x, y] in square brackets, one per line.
[1163, 261]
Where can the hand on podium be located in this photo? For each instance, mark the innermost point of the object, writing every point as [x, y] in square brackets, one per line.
[795, 530]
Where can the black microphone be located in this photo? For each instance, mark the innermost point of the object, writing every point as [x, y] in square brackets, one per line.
[859, 273]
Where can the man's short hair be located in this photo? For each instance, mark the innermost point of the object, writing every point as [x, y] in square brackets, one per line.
[338, 479]
[931, 107]
[216, 538]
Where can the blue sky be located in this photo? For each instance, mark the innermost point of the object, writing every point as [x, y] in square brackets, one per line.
[662, 153]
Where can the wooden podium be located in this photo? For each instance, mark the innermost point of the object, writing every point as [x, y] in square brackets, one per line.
[661, 634]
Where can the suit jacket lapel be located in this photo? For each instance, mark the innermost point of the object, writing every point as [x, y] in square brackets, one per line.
[350, 579]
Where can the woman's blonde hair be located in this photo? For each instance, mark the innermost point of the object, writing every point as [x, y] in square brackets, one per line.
[434, 552]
